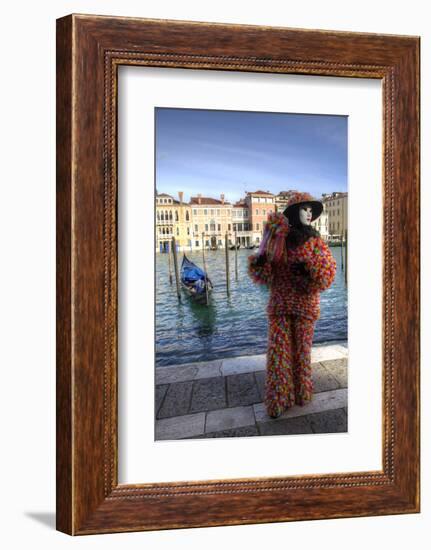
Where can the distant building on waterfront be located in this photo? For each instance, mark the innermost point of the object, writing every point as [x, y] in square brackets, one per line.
[241, 223]
[165, 219]
[321, 224]
[335, 205]
[282, 199]
[211, 220]
[205, 221]
[173, 219]
[259, 204]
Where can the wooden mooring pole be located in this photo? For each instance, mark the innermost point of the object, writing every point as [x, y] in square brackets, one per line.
[177, 276]
[342, 252]
[205, 267]
[169, 263]
[236, 256]
[346, 247]
[203, 247]
[226, 247]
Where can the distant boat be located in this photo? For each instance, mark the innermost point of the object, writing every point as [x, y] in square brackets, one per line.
[234, 246]
[251, 246]
[194, 281]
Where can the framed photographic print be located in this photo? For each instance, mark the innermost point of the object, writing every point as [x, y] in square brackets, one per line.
[237, 274]
[211, 339]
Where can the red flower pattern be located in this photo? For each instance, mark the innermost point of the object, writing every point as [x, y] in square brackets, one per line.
[293, 308]
[288, 375]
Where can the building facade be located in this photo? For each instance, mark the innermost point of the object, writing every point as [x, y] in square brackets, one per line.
[211, 220]
[241, 224]
[336, 207]
[204, 221]
[321, 224]
[282, 199]
[259, 204]
[173, 219]
[165, 218]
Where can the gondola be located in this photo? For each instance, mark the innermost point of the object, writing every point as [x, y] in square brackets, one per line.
[194, 281]
[251, 246]
[234, 246]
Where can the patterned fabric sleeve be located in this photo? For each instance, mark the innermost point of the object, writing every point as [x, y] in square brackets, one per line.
[320, 264]
[260, 274]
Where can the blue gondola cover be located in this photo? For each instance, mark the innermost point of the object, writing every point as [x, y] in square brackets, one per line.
[192, 275]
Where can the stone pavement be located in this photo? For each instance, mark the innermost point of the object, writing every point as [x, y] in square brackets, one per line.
[223, 398]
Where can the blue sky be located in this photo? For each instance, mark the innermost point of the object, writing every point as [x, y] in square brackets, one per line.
[230, 152]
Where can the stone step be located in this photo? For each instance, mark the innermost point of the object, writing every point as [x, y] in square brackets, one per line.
[235, 390]
[233, 418]
[237, 365]
[324, 401]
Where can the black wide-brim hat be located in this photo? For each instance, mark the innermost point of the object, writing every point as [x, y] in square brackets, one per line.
[297, 199]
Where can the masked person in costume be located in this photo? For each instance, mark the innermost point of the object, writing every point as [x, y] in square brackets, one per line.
[297, 265]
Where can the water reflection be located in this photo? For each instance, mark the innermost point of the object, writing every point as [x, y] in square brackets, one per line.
[204, 317]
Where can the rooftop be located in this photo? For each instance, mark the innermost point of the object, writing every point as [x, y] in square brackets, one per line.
[282, 193]
[207, 200]
[263, 193]
[334, 195]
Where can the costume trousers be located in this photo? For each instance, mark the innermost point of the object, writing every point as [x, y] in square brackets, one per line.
[288, 368]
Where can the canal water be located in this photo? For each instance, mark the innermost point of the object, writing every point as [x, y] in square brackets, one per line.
[235, 325]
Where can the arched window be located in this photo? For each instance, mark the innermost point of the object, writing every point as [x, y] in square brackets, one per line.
[158, 216]
[170, 215]
[176, 215]
[162, 217]
[187, 216]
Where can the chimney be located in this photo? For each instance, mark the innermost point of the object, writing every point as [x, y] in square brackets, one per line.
[222, 198]
[199, 198]
[181, 196]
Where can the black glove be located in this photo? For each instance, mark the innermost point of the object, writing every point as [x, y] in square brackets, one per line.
[299, 269]
[261, 260]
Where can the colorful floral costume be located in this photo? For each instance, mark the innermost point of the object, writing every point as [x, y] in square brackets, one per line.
[293, 308]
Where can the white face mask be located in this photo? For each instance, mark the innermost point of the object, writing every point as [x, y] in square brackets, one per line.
[305, 215]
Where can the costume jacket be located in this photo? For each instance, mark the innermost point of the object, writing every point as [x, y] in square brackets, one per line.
[292, 293]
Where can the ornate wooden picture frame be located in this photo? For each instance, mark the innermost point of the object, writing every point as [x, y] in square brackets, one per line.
[89, 51]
